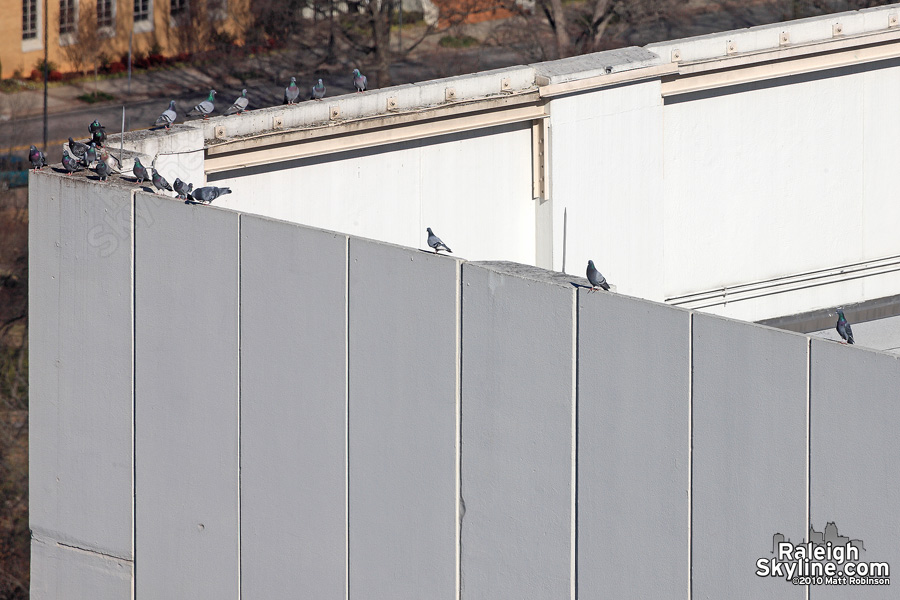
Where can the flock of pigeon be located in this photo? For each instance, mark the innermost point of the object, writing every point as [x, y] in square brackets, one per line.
[80, 155]
[93, 155]
[239, 106]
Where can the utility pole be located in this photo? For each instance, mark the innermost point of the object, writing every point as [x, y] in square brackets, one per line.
[46, 69]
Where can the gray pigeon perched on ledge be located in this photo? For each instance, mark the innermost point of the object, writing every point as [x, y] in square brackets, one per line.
[70, 164]
[90, 155]
[596, 278]
[183, 190]
[843, 327]
[206, 107]
[291, 92]
[206, 195]
[102, 170]
[318, 91]
[38, 161]
[360, 82]
[160, 183]
[168, 117]
[77, 149]
[436, 243]
[140, 171]
[240, 105]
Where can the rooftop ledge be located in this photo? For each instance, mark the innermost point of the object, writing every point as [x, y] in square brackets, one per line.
[519, 93]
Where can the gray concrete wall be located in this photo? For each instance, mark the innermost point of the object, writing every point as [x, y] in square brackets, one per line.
[360, 420]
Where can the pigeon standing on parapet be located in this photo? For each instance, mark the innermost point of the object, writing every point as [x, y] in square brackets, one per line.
[291, 92]
[98, 133]
[90, 155]
[596, 277]
[140, 171]
[240, 105]
[102, 169]
[37, 158]
[436, 243]
[114, 164]
[359, 81]
[70, 164]
[207, 194]
[318, 91]
[168, 117]
[77, 149]
[843, 327]
[160, 183]
[183, 190]
[206, 107]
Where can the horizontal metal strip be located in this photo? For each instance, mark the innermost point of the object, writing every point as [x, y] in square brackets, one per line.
[366, 139]
[371, 122]
[728, 74]
[773, 282]
[599, 81]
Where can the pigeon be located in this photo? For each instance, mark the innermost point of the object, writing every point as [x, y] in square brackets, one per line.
[160, 183]
[103, 170]
[359, 81]
[77, 149]
[206, 195]
[240, 105]
[843, 327]
[98, 137]
[168, 117]
[183, 190]
[291, 92]
[90, 155]
[140, 171]
[436, 243]
[95, 126]
[37, 158]
[596, 278]
[70, 164]
[114, 164]
[318, 91]
[205, 107]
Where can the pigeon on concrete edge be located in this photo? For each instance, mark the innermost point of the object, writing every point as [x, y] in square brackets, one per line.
[206, 195]
[167, 118]
[596, 277]
[182, 189]
[206, 107]
[435, 242]
[291, 92]
[360, 81]
[70, 164]
[239, 105]
[160, 183]
[843, 327]
[318, 91]
[37, 158]
[140, 171]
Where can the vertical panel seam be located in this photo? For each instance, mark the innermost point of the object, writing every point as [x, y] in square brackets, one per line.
[690, 474]
[808, 441]
[133, 398]
[574, 508]
[459, 498]
[240, 291]
[347, 422]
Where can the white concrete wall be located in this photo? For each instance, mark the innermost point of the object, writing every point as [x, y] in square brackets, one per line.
[473, 189]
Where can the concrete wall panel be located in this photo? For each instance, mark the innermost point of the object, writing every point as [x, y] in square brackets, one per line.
[293, 411]
[749, 454]
[853, 455]
[81, 363]
[517, 436]
[186, 400]
[65, 572]
[633, 443]
[404, 313]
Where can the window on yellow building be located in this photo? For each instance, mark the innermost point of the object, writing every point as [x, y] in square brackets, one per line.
[178, 7]
[29, 19]
[141, 10]
[105, 13]
[68, 18]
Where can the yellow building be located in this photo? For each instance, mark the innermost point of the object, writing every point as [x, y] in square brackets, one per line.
[82, 31]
